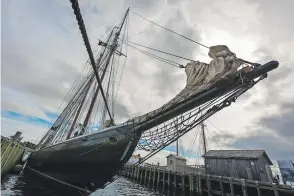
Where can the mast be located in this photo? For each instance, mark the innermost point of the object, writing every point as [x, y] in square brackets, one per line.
[87, 118]
[177, 146]
[112, 50]
[79, 110]
[203, 137]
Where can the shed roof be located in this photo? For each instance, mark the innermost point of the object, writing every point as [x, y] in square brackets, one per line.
[176, 156]
[237, 154]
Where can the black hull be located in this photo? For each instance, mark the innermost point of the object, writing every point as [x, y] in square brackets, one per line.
[87, 162]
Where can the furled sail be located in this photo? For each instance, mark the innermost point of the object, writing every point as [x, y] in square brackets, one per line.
[201, 76]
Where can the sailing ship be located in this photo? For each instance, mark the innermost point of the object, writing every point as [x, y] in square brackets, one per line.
[74, 156]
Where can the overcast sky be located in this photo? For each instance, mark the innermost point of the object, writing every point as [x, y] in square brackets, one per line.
[42, 53]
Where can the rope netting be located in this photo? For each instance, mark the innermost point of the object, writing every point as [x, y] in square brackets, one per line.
[163, 134]
[165, 125]
[171, 130]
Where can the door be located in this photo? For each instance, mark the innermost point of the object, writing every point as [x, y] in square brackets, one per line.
[249, 173]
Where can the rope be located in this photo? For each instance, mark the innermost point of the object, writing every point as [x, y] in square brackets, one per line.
[225, 133]
[241, 60]
[160, 51]
[170, 30]
[214, 139]
[75, 6]
[157, 57]
[192, 143]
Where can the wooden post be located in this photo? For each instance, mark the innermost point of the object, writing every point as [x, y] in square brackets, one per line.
[175, 181]
[221, 186]
[137, 173]
[208, 185]
[200, 184]
[183, 183]
[134, 173]
[163, 181]
[191, 183]
[232, 187]
[145, 177]
[128, 172]
[141, 175]
[244, 188]
[257, 188]
[275, 189]
[168, 179]
[158, 179]
[150, 173]
[154, 174]
[196, 182]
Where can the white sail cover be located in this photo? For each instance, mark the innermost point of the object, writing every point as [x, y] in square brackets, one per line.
[201, 76]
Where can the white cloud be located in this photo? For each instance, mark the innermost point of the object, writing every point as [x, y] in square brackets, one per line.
[43, 53]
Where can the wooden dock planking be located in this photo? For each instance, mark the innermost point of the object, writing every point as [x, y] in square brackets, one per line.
[202, 184]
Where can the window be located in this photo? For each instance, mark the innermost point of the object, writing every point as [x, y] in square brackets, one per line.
[171, 161]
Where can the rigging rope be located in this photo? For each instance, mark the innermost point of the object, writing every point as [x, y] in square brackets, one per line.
[191, 146]
[159, 51]
[239, 59]
[157, 57]
[75, 6]
[225, 133]
[125, 62]
[170, 30]
[214, 139]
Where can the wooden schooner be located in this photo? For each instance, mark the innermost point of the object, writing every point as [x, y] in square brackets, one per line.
[74, 157]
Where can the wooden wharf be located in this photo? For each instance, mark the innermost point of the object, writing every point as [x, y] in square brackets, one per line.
[179, 183]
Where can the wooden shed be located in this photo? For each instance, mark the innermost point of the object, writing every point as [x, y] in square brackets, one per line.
[175, 161]
[246, 164]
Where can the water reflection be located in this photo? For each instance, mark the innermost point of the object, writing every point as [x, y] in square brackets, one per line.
[16, 185]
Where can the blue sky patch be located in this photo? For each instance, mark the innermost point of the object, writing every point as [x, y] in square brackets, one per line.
[51, 115]
[25, 118]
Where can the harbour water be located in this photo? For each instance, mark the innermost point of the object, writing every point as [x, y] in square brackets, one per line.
[15, 185]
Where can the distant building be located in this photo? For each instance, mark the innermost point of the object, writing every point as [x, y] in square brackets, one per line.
[246, 164]
[179, 163]
[287, 171]
[30, 145]
[16, 137]
[175, 161]
[134, 159]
